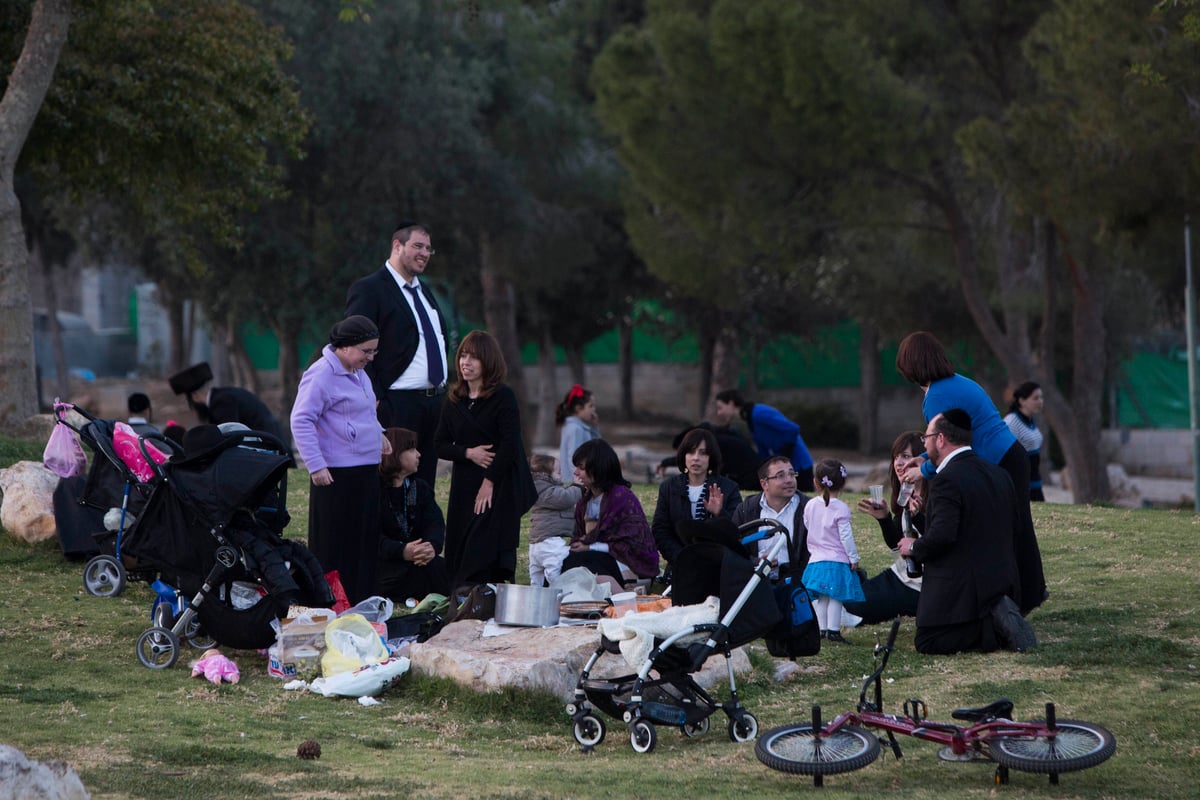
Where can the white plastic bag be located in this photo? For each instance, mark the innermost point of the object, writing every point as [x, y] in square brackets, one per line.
[374, 609]
[364, 681]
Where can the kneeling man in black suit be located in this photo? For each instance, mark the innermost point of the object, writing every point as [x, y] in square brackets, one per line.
[967, 550]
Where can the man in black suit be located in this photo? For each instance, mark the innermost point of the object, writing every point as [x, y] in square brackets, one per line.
[409, 372]
[217, 404]
[971, 579]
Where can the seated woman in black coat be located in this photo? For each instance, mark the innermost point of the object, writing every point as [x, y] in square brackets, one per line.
[413, 529]
[699, 492]
[893, 592]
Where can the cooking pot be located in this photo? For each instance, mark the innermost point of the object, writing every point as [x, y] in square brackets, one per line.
[529, 606]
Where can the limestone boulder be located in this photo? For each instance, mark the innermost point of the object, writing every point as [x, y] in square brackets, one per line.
[548, 659]
[54, 780]
[27, 509]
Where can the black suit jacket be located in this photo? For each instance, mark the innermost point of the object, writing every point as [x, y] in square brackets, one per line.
[967, 548]
[798, 555]
[673, 506]
[380, 299]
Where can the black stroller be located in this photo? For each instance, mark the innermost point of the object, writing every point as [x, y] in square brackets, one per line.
[81, 503]
[212, 527]
[672, 697]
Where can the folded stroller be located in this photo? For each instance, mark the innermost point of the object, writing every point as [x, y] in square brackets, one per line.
[81, 503]
[663, 691]
[212, 528]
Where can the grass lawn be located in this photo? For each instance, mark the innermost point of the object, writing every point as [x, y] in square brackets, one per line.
[1119, 646]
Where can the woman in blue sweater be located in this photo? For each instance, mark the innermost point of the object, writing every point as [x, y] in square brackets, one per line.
[922, 360]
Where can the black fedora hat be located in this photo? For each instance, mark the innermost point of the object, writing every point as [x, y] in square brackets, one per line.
[190, 379]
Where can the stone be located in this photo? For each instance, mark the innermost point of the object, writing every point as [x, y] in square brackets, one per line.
[53, 780]
[27, 509]
[548, 659]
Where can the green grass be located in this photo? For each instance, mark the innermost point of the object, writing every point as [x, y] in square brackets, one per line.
[1119, 646]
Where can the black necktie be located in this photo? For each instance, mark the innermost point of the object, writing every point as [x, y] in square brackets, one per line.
[433, 357]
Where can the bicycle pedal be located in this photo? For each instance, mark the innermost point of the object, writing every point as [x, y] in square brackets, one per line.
[948, 754]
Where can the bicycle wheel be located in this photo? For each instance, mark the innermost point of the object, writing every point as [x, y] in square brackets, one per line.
[1076, 745]
[794, 749]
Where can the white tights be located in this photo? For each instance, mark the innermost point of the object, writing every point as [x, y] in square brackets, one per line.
[829, 613]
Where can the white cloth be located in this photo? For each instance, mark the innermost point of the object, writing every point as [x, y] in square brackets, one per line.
[635, 633]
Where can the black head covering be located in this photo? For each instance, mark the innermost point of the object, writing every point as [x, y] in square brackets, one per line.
[190, 379]
[352, 330]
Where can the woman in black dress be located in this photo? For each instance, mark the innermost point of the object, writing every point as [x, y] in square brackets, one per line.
[490, 486]
[698, 493]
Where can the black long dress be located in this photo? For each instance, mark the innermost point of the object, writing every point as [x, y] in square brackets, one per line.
[484, 547]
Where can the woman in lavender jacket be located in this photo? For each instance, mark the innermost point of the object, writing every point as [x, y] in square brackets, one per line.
[341, 442]
[612, 536]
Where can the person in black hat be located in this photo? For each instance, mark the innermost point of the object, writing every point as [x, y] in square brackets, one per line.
[217, 404]
[971, 580]
[409, 372]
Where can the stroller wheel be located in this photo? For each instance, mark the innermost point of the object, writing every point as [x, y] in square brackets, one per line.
[642, 736]
[197, 638]
[743, 728]
[104, 576]
[158, 648]
[694, 729]
[161, 616]
[589, 730]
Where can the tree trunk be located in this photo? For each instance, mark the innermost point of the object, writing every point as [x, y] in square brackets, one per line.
[289, 372]
[500, 317]
[868, 412]
[547, 396]
[708, 343]
[725, 362]
[23, 97]
[576, 366]
[625, 366]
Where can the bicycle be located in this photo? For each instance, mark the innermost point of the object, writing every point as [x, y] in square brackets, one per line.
[1050, 746]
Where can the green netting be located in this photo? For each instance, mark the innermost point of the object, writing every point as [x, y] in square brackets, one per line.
[1154, 392]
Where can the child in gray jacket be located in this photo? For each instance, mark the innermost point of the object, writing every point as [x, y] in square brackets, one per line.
[551, 520]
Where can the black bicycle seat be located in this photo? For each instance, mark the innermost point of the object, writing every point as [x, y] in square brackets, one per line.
[997, 709]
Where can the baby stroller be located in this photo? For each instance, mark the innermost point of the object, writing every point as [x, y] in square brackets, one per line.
[748, 609]
[81, 503]
[212, 527]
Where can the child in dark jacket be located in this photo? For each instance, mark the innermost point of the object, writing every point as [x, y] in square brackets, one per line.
[551, 520]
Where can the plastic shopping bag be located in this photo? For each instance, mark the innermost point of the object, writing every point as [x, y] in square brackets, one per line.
[369, 680]
[63, 454]
[351, 642]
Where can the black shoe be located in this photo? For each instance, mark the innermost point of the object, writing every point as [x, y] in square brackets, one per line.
[836, 636]
[1012, 631]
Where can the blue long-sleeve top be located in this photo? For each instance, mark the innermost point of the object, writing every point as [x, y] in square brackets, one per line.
[990, 437]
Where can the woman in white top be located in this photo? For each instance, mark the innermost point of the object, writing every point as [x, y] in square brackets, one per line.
[1027, 402]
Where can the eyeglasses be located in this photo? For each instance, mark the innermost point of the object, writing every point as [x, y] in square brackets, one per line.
[367, 351]
[925, 436]
[421, 247]
[782, 476]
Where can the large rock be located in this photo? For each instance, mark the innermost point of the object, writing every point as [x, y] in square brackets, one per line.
[21, 778]
[533, 658]
[27, 510]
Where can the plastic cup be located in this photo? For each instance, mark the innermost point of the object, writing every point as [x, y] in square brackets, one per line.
[876, 490]
[624, 603]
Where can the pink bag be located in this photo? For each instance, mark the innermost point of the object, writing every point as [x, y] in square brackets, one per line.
[63, 454]
[125, 442]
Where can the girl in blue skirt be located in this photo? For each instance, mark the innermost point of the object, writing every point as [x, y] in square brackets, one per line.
[830, 574]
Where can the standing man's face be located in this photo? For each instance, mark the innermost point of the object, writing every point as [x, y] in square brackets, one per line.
[931, 443]
[410, 258]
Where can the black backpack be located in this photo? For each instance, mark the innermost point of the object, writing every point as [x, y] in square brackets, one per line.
[798, 633]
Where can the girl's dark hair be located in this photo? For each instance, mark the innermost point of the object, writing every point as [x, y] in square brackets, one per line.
[691, 443]
[1022, 392]
[921, 359]
[483, 346]
[914, 442]
[576, 399]
[731, 396]
[401, 439]
[597, 458]
[831, 470]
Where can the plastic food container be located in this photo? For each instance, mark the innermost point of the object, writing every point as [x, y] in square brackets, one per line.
[624, 603]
